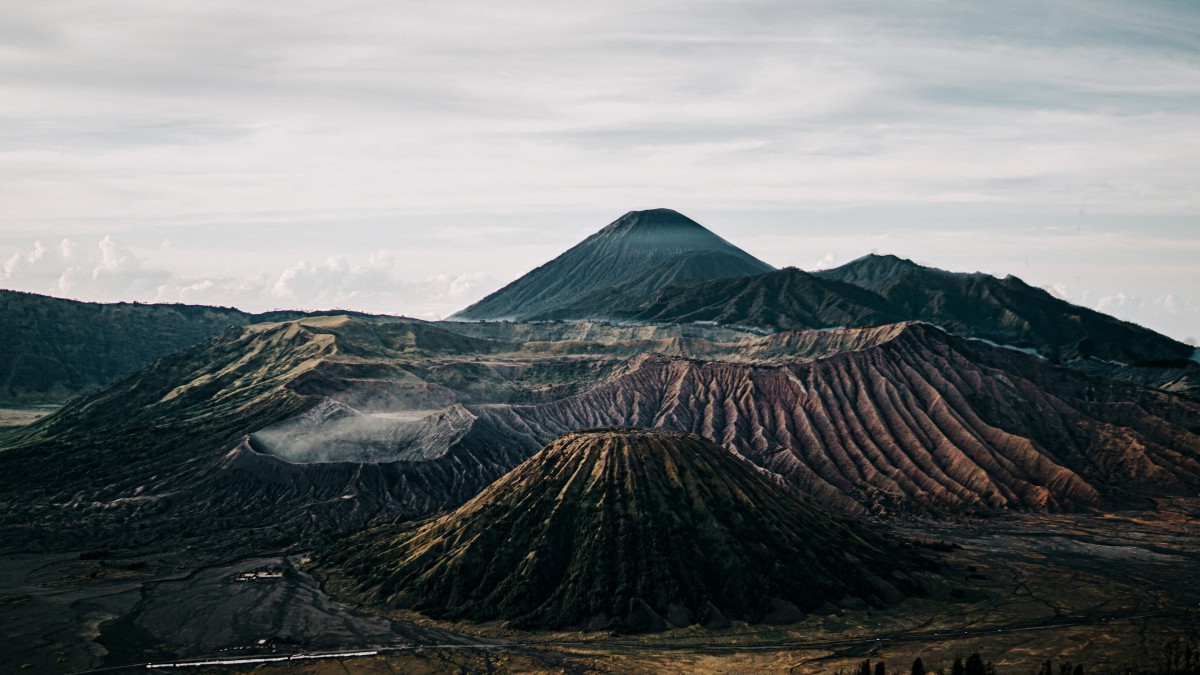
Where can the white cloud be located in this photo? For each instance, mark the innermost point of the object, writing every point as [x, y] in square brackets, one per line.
[827, 262]
[109, 271]
[222, 142]
[1116, 302]
[1058, 290]
[470, 107]
[378, 283]
[1167, 303]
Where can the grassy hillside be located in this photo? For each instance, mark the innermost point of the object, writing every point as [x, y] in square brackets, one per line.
[54, 349]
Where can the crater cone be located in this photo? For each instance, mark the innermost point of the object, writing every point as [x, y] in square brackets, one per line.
[627, 529]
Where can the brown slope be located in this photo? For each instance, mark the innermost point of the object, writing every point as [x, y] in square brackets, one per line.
[624, 528]
[924, 420]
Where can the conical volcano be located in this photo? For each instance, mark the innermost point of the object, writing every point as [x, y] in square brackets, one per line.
[631, 529]
[630, 247]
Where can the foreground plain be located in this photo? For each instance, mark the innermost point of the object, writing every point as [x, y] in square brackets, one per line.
[1107, 590]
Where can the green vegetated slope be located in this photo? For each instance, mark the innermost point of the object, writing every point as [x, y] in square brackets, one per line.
[52, 349]
[632, 529]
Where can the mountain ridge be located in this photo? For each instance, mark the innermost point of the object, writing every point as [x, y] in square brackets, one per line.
[1006, 310]
[885, 420]
[56, 348]
[712, 282]
[786, 299]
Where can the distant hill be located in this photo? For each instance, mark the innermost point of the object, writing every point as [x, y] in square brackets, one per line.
[630, 529]
[54, 349]
[873, 269]
[1008, 311]
[627, 250]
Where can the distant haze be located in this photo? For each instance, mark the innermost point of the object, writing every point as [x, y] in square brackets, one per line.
[412, 157]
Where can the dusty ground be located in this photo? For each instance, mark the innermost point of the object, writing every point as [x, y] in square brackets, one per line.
[55, 616]
[1102, 589]
[21, 415]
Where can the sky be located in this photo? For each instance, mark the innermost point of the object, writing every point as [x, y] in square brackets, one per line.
[411, 157]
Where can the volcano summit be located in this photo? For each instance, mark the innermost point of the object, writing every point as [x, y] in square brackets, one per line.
[628, 252]
[633, 529]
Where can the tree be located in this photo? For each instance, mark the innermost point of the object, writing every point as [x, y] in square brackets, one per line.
[918, 667]
[880, 669]
[974, 665]
[864, 668]
[957, 668]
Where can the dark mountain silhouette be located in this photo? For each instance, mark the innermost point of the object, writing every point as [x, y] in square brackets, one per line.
[54, 349]
[626, 249]
[660, 266]
[627, 528]
[1007, 311]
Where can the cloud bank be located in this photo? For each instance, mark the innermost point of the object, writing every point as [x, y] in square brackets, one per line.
[475, 140]
[110, 272]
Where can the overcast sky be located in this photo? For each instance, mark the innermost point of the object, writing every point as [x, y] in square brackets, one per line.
[410, 157]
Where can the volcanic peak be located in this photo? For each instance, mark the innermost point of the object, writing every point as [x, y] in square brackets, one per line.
[625, 249]
[651, 219]
[630, 529]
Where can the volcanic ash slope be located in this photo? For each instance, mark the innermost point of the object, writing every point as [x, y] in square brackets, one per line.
[630, 529]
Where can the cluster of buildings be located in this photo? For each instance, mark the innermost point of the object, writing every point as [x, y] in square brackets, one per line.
[260, 574]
